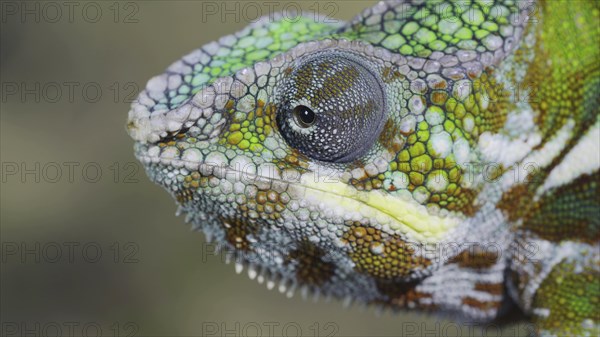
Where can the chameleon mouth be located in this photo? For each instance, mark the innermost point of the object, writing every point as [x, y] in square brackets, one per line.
[403, 215]
[336, 200]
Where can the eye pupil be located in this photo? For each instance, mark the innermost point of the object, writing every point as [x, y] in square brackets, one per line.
[305, 117]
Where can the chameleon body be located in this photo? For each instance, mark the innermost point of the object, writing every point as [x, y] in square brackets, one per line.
[427, 155]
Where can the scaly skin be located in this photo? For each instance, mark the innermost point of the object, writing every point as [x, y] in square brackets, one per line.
[432, 155]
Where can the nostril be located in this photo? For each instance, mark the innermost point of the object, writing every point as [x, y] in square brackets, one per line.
[174, 136]
[201, 130]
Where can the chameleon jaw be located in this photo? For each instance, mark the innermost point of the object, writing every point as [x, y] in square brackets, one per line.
[336, 200]
[401, 215]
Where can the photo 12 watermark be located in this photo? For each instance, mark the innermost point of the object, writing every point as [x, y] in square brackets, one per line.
[465, 328]
[486, 253]
[253, 11]
[269, 329]
[69, 172]
[92, 12]
[69, 92]
[69, 252]
[70, 329]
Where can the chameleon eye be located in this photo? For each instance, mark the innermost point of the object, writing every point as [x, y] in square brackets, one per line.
[305, 117]
[331, 107]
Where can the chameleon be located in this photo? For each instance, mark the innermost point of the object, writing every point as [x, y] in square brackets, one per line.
[437, 156]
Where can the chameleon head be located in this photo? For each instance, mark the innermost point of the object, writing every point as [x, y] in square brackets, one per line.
[373, 160]
[314, 167]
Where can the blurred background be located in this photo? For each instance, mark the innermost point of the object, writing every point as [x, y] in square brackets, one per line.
[89, 245]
